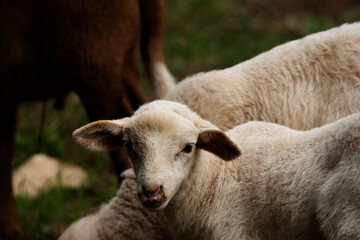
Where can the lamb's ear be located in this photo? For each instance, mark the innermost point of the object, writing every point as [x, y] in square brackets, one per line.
[217, 142]
[101, 135]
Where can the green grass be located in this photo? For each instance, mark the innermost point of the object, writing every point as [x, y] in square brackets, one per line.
[201, 35]
[48, 215]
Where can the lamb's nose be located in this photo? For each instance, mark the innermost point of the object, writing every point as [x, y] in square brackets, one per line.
[152, 198]
[154, 194]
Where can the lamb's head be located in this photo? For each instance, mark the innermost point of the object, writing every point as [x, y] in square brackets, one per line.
[162, 139]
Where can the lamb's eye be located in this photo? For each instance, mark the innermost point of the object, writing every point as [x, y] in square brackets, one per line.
[188, 148]
[128, 146]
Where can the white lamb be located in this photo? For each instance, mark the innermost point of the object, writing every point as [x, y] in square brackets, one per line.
[301, 84]
[122, 218]
[287, 184]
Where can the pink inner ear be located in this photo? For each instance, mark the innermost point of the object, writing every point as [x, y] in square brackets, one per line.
[110, 141]
[101, 135]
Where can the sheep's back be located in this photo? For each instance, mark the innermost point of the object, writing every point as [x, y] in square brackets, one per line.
[301, 84]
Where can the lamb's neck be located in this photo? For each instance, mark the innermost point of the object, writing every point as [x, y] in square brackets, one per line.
[188, 211]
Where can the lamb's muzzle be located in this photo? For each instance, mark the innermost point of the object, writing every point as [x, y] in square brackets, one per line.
[152, 199]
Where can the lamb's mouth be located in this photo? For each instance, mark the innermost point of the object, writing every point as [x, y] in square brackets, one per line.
[153, 205]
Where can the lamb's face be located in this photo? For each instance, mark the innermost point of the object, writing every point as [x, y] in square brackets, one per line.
[162, 139]
[162, 148]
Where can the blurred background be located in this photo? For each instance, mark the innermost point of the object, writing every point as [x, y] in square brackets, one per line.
[201, 36]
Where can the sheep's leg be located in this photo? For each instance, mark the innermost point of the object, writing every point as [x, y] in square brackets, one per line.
[108, 100]
[132, 81]
[135, 97]
[9, 221]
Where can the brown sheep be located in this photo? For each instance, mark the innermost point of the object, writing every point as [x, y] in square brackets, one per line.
[50, 48]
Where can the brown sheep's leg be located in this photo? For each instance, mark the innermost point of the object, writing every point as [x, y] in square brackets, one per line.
[135, 96]
[132, 81]
[121, 161]
[111, 103]
[9, 220]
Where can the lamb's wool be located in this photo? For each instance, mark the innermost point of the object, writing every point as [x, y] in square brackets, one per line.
[123, 218]
[302, 84]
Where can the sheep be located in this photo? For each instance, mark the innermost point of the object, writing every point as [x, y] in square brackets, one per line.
[50, 48]
[302, 84]
[122, 218]
[281, 184]
[304, 72]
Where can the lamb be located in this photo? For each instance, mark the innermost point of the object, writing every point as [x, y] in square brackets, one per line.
[281, 184]
[122, 218]
[302, 84]
[304, 74]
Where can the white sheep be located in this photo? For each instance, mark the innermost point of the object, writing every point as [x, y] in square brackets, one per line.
[122, 218]
[287, 184]
[301, 84]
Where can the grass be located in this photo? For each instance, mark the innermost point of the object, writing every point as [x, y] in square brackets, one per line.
[200, 36]
[48, 215]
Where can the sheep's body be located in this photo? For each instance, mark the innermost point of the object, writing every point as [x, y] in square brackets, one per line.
[122, 218]
[287, 184]
[301, 84]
